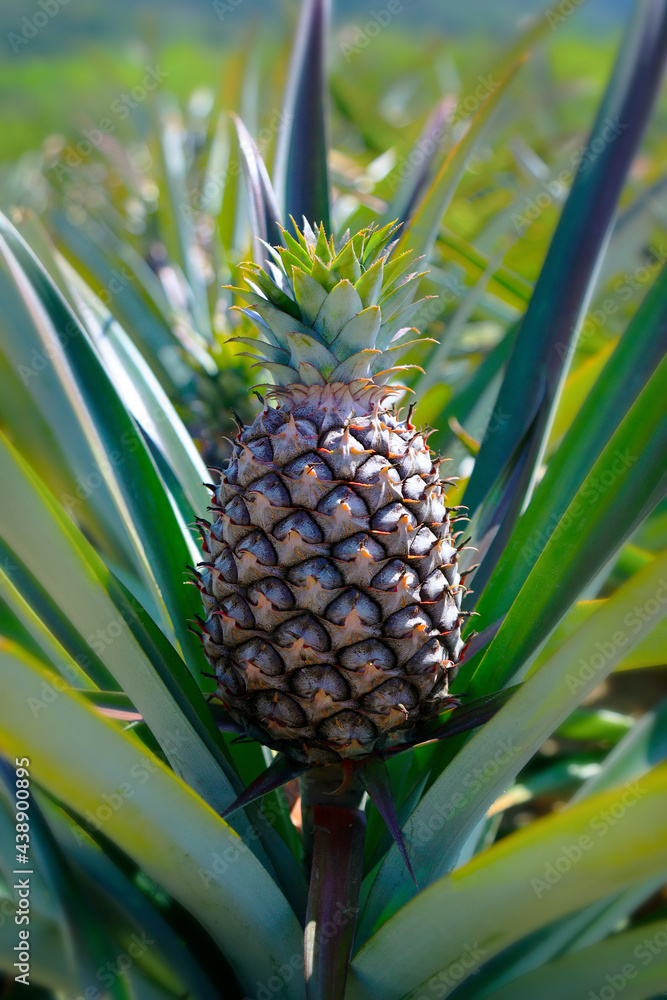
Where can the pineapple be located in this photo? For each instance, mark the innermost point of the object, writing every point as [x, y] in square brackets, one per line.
[332, 590]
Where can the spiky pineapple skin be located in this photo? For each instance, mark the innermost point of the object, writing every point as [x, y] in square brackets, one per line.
[330, 583]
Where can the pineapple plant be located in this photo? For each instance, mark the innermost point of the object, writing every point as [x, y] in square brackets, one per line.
[334, 654]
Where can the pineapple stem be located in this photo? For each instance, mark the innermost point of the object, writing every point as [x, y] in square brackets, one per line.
[334, 829]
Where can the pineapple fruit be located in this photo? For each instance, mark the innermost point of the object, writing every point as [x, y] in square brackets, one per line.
[331, 585]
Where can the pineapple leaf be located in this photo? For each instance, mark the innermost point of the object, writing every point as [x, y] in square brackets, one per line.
[87, 945]
[295, 248]
[397, 322]
[322, 249]
[647, 653]
[125, 909]
[271, 353]
[144, 397]
[345, 263]
[133, 651]
[561, 295]
[356, 366]
[369, 284]
[102, 445]
[302, 177]
[420, 232]
[341, 305]
[388, 358]
[309, 374]
[359, 334]
[431, 144]
[49, 625]
[309, 295]
[304, 348]
[264, 213]
[284, 374]
[587, 967]
[635, 357]
[376, 242]
[600, 519]
[139, 304]
[643, 746]
[375, 777]
[320, 272]
[180, 233]
[279, 322]
[243, 910]
[625, 853]
[281, 770]
[260, 281]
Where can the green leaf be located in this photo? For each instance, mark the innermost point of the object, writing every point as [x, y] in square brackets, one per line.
[138, 301]
[503, 283]
[634, 360]
[621, 488]
[41, 622]
[613, 856]
[145, 398]
[510, 454]
[429, 146]
[66, 449]
[306, 349]
[87, 945]
[265, 221]
[369, 284]
[359, 334]
[160, 540]
[346, 264]
[650, 652]
[103, 617]
[126, 912]
[632, 963]
[102, 612]
[596, 725]
[309, 294]
[48, 962]
[302, 175]
[341, 305]
[644, 746]
[163, 826]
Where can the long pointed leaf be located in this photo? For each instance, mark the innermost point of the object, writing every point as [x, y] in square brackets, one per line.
[638, 352]
[160, 539]
[599, 519]
[465, 916]
[632, 962]
[265, 220]
[281, 770]
[375, 777]
[302, 175]
[566, 281]
[217, 878]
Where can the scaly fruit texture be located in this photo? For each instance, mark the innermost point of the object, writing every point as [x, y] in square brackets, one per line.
[331, 586]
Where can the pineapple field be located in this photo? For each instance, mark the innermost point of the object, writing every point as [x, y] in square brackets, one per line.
[333, 505]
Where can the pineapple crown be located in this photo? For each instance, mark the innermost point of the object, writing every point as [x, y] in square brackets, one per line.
[331, 314]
